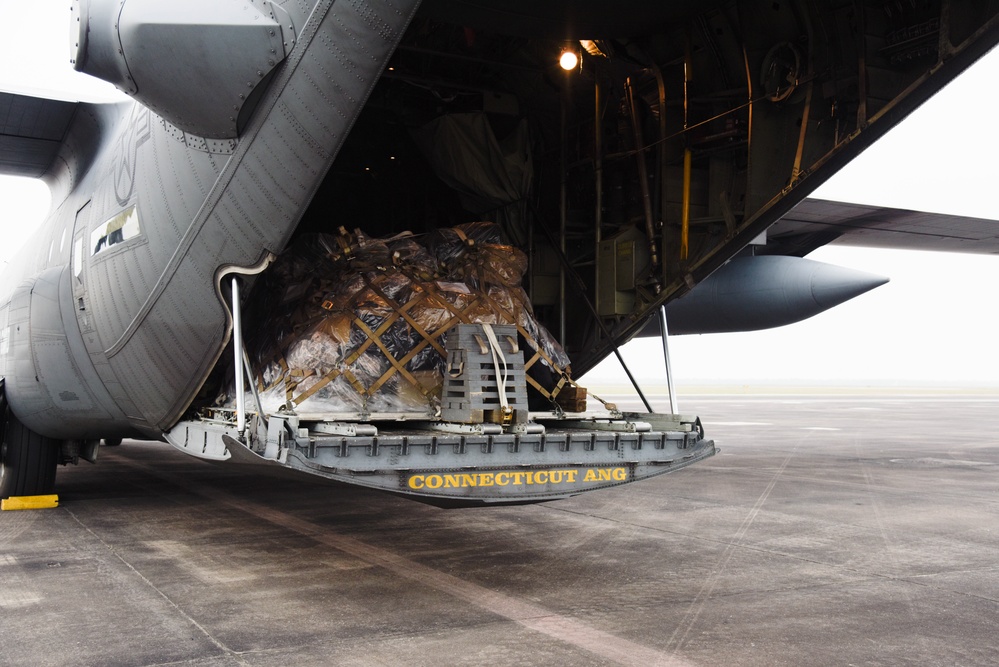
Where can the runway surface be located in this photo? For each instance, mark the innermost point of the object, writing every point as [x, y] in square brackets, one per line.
[830, 530]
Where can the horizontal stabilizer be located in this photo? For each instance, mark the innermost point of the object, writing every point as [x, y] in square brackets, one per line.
[31, 131]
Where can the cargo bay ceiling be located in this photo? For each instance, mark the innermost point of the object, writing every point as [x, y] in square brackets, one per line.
[685, 130]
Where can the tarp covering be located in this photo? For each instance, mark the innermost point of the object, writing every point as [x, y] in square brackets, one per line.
[491, 176]
[346, 323]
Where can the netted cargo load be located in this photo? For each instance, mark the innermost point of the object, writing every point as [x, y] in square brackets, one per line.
[346, 323]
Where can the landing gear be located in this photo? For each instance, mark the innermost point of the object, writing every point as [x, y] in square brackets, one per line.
[112, 442]
[27, 460]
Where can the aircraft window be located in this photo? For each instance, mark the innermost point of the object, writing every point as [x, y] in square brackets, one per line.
[78, 258]
[118, 229]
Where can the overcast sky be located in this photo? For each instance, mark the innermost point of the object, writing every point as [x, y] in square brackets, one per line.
[937, 321]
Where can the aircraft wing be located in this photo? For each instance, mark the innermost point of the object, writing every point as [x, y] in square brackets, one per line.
[31, 131]
[774, 285]
[817, 222]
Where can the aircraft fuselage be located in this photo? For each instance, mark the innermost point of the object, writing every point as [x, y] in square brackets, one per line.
[116, 314]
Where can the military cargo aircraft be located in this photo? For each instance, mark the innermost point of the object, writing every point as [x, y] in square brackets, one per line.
[650, 160]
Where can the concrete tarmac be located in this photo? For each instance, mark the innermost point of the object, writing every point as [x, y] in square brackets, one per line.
[829, 530]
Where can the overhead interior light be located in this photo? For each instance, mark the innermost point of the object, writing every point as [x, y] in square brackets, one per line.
[568, 60]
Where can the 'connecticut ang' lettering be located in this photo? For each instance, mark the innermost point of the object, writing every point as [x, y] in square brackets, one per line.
[436, 481]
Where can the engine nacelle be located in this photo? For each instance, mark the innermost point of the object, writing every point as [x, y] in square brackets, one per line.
[752, 293]
[199, 65]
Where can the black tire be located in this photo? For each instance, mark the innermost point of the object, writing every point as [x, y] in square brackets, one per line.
[27, 460]
[112, 442]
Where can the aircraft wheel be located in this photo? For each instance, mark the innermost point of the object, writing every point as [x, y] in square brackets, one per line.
[27, 460]
[112, 442]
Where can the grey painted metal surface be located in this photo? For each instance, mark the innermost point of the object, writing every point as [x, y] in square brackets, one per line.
[751, 293]
[483, 382]
[31, 133]
[53, 381]
[200, 75]
[560, 458]
[816, 222]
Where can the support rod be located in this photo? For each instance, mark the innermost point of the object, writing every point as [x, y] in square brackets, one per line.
[643, 178]
[237, 345]
[796, 169]
[669, 367]
[563, 208]
[663, 158]
[685, 213]
[253, 385]
[598, 164]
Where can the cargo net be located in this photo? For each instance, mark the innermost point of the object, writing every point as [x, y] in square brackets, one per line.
[347, 323]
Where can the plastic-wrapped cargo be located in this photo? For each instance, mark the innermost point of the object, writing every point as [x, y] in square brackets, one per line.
[346, 323]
